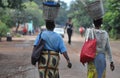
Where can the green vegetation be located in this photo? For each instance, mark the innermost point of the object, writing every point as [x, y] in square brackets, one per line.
[32, 9]
[111, 18]
[15, 12]
[22, 11]
[3, 29]
[79, 15]
[62, 15]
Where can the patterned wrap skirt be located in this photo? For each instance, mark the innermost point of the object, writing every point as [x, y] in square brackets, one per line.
[97, 68]
[48, 64]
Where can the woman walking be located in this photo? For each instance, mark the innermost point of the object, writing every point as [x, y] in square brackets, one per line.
[69, 26]
[49, 61]
[97, 68]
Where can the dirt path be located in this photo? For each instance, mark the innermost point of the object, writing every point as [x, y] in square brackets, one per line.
[15, 59]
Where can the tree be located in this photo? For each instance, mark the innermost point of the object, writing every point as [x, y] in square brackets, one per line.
[13, 4]
[32, 10]
[62, 14]
[79, 14]
[3, 30]
[111, 18]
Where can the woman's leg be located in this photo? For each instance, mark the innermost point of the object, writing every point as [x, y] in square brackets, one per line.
[100, 64]
[69, 32]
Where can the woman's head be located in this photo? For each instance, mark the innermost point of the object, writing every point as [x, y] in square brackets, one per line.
[69, 20]
[50, 25]
[98, 23]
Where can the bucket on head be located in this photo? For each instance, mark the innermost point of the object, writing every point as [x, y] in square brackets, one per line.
[50, 10]
[95, 9]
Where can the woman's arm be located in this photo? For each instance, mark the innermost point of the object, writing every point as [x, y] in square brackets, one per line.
[67, 59]
[108, 49]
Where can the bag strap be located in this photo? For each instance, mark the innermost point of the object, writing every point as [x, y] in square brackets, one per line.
[88, 32]
[40, 35]
[39, 38]
[93, 33]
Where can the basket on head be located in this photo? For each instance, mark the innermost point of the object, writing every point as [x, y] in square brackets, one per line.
[95, 9]
[50, 10]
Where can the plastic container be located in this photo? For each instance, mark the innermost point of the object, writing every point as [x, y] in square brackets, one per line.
[9, 37]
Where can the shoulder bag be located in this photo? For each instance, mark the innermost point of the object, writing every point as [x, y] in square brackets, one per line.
[37, 51]
[88, 50]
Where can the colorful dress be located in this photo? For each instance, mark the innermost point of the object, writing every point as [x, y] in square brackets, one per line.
[48, 65]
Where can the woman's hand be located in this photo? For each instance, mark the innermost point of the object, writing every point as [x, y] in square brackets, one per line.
[67, 59]
[112, 67]
[69, 65]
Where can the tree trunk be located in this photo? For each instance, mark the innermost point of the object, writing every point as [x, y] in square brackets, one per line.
[0, 39]
[17, 27]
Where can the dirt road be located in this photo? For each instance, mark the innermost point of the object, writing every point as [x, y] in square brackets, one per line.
[15, 59]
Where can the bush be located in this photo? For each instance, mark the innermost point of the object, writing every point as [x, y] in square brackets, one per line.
[3, 29]
[113, 34]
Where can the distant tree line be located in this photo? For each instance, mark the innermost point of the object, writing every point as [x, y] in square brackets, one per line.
[22, 11]
[110, 19]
